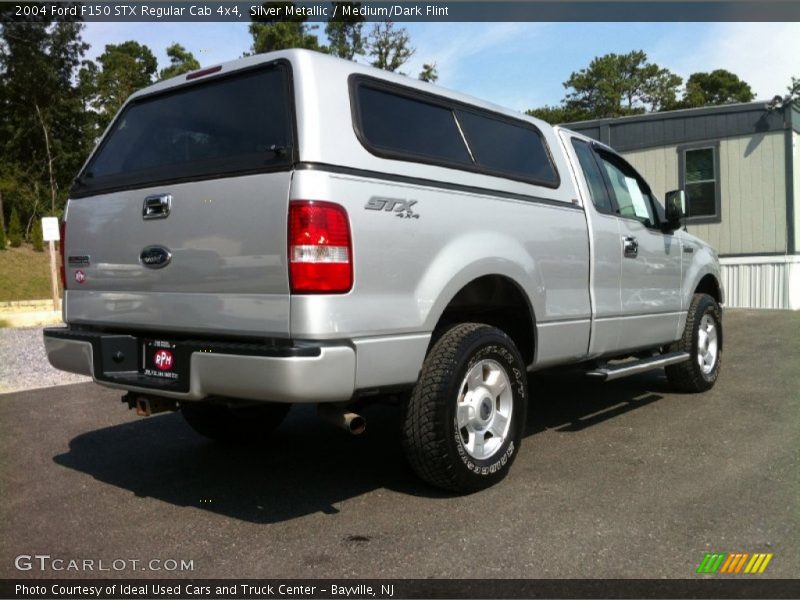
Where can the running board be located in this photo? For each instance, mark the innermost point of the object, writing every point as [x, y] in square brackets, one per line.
[609, 373]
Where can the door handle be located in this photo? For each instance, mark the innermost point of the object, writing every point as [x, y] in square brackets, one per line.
[630, 247]
[157, 207]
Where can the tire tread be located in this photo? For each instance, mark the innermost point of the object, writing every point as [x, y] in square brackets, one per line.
[425, 446]
[686, 376]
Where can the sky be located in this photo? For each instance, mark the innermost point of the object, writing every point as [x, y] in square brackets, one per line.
[521, 65]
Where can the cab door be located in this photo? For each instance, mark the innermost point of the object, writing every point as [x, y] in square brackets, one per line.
[604, 235]
[650, 274]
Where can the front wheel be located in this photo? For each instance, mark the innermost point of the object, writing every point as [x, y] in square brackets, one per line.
[250, 423]
[702, 340]
[466, 416]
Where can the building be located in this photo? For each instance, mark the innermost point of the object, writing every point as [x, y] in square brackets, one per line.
[740, 167]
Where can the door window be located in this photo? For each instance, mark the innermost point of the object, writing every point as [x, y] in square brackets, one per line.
[631, 196]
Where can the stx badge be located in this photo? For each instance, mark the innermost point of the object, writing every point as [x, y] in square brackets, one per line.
[400, 208]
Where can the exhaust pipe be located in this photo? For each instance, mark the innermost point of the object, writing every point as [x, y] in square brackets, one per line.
[349, 421]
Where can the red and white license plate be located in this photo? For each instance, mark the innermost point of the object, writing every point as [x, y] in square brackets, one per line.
[160, 360]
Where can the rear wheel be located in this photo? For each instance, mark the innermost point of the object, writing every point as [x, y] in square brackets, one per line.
[250, 423]
[702, 340]
[464, 421]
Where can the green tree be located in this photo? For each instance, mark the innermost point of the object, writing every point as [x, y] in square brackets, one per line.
[37, 237]
[615, 85]
[429, 73]
[280, 33]
[86, 90]
[124, 68]
[344, 32]
[389, 48]
[14, 229]
[794, 90]
[714, 88]
[557, 114]
[45, 130]
[180, 61]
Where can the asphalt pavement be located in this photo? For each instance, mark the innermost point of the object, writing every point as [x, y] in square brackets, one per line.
[624, 479]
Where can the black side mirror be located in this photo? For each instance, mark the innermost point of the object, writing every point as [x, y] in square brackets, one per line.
[674, 209]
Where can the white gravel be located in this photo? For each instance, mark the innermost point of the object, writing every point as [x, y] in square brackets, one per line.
[23, 363]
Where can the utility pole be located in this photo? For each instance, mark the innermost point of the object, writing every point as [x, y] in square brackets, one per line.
[51, 235]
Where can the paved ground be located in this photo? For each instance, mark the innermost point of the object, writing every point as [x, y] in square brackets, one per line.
[624, 479]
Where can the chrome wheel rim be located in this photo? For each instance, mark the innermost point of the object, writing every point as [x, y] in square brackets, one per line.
[707, 344]
[483, 412]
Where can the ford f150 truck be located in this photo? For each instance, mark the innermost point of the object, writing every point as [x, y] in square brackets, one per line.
[291, 227]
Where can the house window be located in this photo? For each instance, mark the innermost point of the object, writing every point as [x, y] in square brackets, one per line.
[700, 180]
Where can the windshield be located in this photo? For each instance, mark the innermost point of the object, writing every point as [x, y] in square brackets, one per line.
[228, 125]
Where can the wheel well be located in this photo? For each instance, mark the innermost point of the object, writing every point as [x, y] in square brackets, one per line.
[495, 300]
[709, 285]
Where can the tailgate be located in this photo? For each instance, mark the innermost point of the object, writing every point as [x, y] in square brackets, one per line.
[178, 221]
[227, 271]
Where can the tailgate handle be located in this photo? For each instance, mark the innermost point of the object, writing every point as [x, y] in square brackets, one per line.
[157, 206]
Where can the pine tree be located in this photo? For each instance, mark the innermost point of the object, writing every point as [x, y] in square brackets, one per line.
[15, 229]
[389, 47]
[429, 73]
[37, 238]
[3, 241]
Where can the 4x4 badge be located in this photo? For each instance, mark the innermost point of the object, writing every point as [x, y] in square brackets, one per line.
[400, 208]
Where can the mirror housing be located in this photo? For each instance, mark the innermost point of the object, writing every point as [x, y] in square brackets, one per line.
[674, 209]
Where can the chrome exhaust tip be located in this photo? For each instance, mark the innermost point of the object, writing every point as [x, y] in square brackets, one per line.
[351, 422]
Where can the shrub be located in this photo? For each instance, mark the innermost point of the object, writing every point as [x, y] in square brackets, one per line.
[14, 229]
[37, 237]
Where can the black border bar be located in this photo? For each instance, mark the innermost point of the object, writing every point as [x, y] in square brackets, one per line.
[416, 11]
[744, 586]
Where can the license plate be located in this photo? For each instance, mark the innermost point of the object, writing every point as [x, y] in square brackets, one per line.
[160, 360]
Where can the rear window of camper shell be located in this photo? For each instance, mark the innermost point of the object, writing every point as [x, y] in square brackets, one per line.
[227, 125]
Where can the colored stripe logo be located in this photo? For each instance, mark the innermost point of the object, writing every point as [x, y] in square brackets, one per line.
[734, 563]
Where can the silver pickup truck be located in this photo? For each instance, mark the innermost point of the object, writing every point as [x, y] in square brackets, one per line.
[291, 227]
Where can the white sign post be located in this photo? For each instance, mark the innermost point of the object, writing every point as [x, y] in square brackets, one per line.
[51, 234]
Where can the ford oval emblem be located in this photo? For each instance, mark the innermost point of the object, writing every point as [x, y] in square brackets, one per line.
[155, 257]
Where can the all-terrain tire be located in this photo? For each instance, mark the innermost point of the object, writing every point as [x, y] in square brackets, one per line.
[438, 449]
[246, 424]
[704, 321]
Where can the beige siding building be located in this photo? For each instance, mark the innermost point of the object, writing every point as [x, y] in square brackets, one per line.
[740, 167]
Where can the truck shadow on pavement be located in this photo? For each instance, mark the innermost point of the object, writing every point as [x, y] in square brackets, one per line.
[308, 466]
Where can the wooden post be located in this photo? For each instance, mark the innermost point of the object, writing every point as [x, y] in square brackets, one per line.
[53, 273]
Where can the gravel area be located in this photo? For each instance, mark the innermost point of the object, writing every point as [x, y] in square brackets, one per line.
[23, 363]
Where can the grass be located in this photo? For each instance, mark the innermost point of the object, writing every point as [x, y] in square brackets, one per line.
[24, 274]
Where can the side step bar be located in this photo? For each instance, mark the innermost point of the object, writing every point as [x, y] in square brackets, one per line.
[611, 372]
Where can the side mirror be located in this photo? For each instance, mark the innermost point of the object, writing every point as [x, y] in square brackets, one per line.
[675, 209]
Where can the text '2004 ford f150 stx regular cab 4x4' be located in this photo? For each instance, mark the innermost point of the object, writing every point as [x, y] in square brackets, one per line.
[291, 227]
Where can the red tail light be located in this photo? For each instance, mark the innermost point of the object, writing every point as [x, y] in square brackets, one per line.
[320, 248]
[61, 243]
